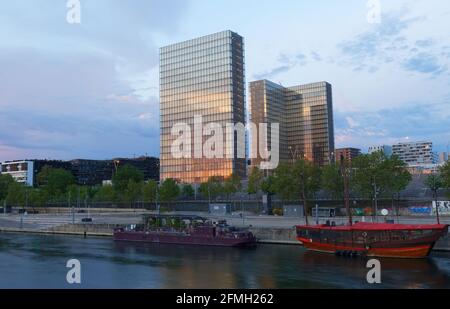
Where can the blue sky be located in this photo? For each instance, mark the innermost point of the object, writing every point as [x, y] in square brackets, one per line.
[90, 90]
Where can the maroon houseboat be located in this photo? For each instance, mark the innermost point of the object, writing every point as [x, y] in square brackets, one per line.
[190, 230]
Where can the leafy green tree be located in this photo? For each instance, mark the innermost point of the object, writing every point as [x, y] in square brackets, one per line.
[377, 172]
[232, 185]
[38, 198]
[73, 192]
[212, 188]
[105, 194]
[333, 181]
[44, 175]
[150, 191]
[435, 183]
[16, 195]
[255, 180]
[307, 177]
[398, 175]
[445, 174]
[5, 181]
[133, 191]
[302, 179]
[169, 190]
[123, 176]
[267, 185]
[283, 183]
[187, 191]
[55, 181]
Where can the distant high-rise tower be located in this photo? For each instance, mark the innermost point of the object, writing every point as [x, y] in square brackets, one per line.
[305, 115]
[202, 77]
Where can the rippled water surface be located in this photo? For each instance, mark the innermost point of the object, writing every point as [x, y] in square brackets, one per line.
[35, 261]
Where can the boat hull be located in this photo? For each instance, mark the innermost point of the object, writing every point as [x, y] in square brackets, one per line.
[183, 239]
[413, 252]
[372, 239]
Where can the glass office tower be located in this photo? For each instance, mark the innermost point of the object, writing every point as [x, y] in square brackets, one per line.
[202, 77]
[305, 114]
[267, 105]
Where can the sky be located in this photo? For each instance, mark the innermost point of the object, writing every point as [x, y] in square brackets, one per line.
[90, 90]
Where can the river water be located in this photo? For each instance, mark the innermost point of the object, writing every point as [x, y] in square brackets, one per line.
[36, 261]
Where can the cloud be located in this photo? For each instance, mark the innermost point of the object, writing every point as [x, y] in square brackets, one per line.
[86, 90]
[415, 121]
[71, 105]
[387, 43]
[285, 64]
[423, 63]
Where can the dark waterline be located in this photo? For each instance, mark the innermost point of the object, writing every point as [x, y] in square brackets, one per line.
[35, 261]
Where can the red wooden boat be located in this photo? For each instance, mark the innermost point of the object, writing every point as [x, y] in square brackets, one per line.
[185, 230]
[372, 239]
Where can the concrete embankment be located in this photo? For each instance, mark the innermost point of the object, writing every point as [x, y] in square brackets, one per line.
[285, 236]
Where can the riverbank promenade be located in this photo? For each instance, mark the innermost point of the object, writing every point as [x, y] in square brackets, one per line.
[268, 229]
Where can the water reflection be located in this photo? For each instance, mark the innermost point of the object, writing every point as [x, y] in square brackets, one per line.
[32, 261]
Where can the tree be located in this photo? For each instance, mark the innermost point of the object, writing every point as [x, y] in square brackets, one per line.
[377, 172]
[123, 176]
[254, 181]
[332, 181]
[301, 179]
[133, 192]
[169, 190]
[445, 174]
[307, 177]
[187, 191]
[55, 181]
[16, 195]
[5, 181]
[212, 188]
[105, 194]
[232, 185]
[150, 191]
[375, 175]
[398, 176]
[267, 185]
[283, 183]
[38, 198]
[435, 183]
[43, 176]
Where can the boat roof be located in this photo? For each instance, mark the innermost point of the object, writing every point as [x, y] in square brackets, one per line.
[366, 226]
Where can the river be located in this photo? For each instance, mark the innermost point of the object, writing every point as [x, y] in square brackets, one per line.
[39, 261]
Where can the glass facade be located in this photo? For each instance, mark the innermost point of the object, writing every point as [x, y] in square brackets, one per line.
[305, 114]
[202, 77]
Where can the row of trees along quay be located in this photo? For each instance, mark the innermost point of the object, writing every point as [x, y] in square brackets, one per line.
[369, 176]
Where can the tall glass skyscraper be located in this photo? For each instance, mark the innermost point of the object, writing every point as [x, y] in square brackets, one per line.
[202, 77]
[305, 115]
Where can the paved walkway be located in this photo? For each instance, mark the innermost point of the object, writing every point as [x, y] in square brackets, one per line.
[43, 221]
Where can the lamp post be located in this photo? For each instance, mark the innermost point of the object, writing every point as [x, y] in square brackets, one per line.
[375, 196]
[344, 172]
